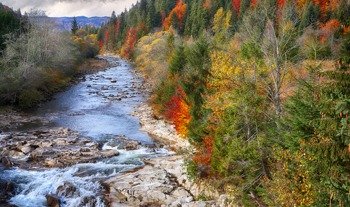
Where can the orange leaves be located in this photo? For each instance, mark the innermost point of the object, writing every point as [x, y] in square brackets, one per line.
[129, 44]
[203, 156]
[178, 12]
[178, 111]
[281, 3]
[327, 5]
[328, 29]
[207, 4]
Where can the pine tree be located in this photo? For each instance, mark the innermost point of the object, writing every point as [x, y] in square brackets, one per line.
[75, 26]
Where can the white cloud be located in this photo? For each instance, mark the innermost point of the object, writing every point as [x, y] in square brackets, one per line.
[59, 8]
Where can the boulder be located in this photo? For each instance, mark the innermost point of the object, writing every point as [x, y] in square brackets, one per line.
[109, 153]
[25, 149]
[68, 190]
[88, 201]
[6, 162]
[52, 201]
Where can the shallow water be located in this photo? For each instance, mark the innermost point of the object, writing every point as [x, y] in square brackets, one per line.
[92, 107]
[98, 107]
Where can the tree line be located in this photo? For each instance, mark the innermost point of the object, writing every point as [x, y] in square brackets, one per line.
[260, 88]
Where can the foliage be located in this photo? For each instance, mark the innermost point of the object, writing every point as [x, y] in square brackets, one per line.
[233, 77]
[177, 111]
[10, 22]
[35, 64]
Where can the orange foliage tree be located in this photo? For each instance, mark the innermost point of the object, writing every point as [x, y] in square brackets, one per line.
[129, 44]
[328, 29]
[178, 111]
[178, 12]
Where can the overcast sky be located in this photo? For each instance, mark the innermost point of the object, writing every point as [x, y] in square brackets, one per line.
[60, 8]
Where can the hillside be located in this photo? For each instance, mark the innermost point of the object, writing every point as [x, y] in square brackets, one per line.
[65, 23]
[260, 89]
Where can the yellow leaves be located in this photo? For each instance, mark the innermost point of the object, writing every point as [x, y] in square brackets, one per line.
[223, 69]
[151, 56]
[221, 25]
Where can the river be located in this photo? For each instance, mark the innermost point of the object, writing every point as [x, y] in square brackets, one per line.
[98, 107]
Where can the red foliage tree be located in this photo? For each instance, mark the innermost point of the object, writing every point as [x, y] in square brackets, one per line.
[253, 3]
[178, 111]
[129, 43]
[280, 4]
[204, 154]
[236, 5]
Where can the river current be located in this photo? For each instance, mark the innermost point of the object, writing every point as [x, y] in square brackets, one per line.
[98, 107]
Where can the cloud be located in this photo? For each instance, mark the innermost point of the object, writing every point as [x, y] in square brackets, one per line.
[58, 8]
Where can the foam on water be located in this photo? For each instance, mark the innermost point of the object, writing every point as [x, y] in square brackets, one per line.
[33, 186]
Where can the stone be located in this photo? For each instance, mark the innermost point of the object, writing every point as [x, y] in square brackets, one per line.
[25, 149]
[6, 162]
[49, 162]
[109, 153]
[68, 190]
[52, 201]
[88, 201]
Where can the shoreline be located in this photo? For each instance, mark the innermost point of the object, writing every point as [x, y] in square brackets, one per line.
[162, 181]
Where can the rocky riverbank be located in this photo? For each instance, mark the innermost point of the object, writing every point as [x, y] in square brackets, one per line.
[163, 181]
[32, 144]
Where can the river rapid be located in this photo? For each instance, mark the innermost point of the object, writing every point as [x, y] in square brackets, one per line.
[99, 107]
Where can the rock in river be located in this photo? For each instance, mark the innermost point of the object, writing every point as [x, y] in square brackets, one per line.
[58, 147]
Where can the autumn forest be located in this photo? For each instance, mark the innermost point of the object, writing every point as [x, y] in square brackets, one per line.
[260, 88]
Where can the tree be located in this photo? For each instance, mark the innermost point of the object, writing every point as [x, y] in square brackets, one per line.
[75, 26]
[195, 82]
[221, 26]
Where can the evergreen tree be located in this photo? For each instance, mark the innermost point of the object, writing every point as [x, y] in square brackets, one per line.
[75, 26]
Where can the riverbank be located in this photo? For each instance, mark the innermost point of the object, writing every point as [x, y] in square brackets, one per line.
[168, 175]
[77, 165]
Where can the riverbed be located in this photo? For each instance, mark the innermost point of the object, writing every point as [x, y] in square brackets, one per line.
[99, 108]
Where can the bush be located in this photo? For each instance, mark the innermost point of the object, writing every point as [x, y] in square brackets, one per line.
[29, 98]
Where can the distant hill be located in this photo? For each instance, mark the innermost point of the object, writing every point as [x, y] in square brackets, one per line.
[64, 23]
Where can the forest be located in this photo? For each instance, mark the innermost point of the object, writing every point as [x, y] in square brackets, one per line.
[259, 87]
[36, 59]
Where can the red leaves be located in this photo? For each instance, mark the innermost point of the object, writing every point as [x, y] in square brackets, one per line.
[253, 3]
[280, 4]
[323, 4]
[236, 5]
[203, 156]
[178, 12]
[177, 111]
[129, 44]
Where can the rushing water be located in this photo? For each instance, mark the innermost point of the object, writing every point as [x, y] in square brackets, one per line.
[98, 107]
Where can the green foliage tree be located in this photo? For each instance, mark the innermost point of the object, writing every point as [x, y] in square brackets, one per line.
[196, 75]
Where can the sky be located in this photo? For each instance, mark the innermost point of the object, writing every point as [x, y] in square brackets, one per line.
[60, 8]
